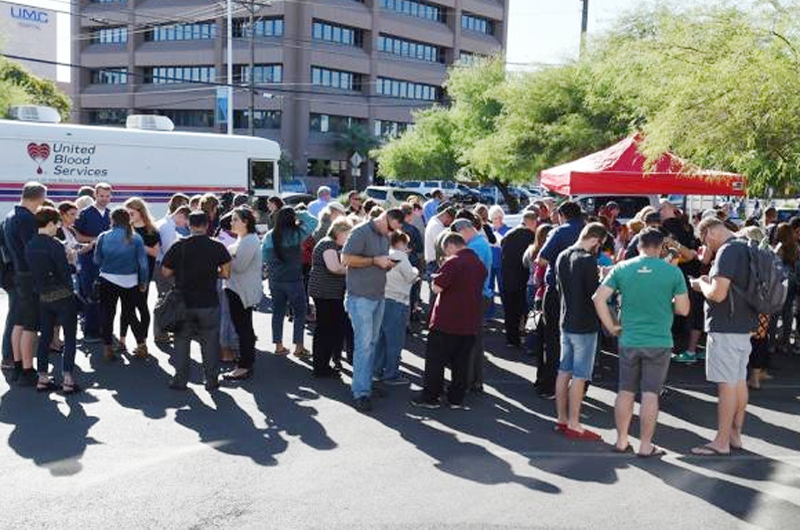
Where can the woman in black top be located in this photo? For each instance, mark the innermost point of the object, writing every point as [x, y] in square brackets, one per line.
[326, 286]
[52, 282]
[143, 225]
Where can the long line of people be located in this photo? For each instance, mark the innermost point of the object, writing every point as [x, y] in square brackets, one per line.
[568, 281]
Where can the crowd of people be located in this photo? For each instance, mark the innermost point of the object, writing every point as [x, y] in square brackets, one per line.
[653, 289]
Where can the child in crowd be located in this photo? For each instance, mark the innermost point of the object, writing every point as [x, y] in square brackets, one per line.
[392, 337]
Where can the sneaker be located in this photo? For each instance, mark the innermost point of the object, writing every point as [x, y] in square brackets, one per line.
[685, 358]
[398, 381]
[458, 406]
[700, 356]
[424, 404]
[363, 404]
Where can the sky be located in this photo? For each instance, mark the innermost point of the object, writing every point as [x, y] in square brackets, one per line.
[548, 31]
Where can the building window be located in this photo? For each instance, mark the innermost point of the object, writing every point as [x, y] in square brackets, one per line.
[479, 24]
[335, 79]
[265, 119]
[107, 116]
[336, 34]
[117, 35]
[410, 49]
[264, 73]
[415, 9]
[469, 58]
[268, 27]
[389, 129]
[324, 123]
[318, 167]
[189, 118]
[170, 32]
[406, 89]
[115, 76]
[160, 75]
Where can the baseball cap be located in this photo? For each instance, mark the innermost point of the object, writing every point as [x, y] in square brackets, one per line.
[461, 224]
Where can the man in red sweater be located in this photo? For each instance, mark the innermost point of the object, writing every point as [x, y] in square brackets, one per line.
[455, 320]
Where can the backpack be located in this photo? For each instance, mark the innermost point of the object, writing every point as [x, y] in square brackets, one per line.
[768, 285]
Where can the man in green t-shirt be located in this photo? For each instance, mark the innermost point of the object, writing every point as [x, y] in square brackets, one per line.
[651, 290]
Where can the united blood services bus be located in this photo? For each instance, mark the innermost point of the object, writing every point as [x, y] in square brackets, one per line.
[151, 164]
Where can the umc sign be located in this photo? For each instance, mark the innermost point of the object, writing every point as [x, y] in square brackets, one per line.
[26, 14]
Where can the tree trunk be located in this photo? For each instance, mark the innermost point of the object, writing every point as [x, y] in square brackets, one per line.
[510, 198]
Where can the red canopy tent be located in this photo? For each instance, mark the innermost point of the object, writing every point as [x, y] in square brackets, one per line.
[620, 169]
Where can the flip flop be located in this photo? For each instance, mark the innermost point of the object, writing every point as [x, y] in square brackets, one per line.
[585, 435]
[47, 387]
[560, 427]
[707, 450]
[655, 452]
[628, 450]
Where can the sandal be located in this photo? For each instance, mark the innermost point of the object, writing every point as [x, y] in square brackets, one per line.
[46, 387]
[302, 353]
[708, 450]
[628, 450]
[655, 452]
[70, 389]
[282, 351]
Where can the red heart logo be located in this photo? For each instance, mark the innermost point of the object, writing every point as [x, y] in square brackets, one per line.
[38, 152]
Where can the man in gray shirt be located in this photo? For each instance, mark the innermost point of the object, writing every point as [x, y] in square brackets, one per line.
[729, 321]
[366, 256]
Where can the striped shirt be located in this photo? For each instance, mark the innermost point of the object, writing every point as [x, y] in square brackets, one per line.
[322, 283]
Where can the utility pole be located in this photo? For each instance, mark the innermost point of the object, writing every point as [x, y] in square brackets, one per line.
[584, 26]
[229, 66]
[252, 67]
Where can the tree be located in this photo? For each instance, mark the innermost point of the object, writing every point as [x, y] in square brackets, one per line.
[354, 139]
[19, 86]
[424, 151]
[716, 84]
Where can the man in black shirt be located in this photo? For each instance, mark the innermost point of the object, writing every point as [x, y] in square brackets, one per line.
[197, 262]
[686, 330]
[515, 274]
[19, 228]
[578, 278]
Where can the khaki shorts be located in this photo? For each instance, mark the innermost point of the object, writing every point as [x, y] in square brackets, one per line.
[727, 355]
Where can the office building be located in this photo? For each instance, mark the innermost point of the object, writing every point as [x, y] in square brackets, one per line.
[320, 66]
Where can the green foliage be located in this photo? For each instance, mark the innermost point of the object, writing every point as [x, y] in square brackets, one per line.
[356, 139]
[425, 150]
[19, 86]
[717, 84]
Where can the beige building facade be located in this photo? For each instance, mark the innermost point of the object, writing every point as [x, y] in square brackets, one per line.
[320, 65]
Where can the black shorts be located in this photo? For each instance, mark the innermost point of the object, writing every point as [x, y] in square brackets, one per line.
[26, 305]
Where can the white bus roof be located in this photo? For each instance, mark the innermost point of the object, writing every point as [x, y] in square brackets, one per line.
[257, 147]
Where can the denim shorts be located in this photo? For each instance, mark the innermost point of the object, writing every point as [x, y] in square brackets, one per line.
[577, 354]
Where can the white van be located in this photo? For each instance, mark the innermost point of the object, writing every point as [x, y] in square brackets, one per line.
[151, 164]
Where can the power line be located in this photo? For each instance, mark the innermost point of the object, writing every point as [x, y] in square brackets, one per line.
[214, 84]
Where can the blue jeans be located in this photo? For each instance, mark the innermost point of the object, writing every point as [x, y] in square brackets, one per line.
[391, 340]
[86, 278]
[577, 354]
[366, 315]
[283, 294]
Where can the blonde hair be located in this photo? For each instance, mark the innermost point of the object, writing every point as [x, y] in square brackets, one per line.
[339, 226]
[82, 202]
[135, 203]
[753, 233]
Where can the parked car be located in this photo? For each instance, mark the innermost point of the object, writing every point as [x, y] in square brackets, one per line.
[387, 196]
[293, 199]
[450, 188]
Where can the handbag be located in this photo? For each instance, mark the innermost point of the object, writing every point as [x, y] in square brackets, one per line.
[170, 310]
